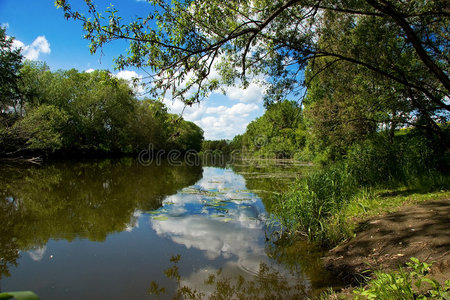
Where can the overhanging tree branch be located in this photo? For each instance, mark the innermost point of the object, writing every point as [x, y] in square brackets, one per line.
[386, 8]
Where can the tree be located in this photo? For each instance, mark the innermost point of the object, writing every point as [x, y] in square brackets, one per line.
[346, 102]
[278, 133]
[181, 42]
[10, 64]
[187, 136]
[41, 128]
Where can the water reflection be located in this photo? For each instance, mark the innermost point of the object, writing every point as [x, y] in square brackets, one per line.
[225, 220]
[219, 284]
[269, 178]
[106, 229]
[217, 215]
[67, 200]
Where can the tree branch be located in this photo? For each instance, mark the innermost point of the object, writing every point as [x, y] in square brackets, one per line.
[388, 9]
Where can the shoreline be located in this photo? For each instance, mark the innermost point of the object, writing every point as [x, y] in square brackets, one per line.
[416, 228]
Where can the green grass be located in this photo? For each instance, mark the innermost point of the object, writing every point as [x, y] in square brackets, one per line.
[375, 176]
[368, 204]
[332, 217]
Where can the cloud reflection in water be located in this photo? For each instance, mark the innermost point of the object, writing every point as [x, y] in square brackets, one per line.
[217, 215]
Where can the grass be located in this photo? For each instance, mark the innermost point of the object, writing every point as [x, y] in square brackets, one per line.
[368, 204]
[330, 218]
[373, 178]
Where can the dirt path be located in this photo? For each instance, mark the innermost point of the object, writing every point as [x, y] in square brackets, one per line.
[387, 242]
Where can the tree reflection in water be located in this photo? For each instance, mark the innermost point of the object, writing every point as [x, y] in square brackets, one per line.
[67, 200]
[267, 284]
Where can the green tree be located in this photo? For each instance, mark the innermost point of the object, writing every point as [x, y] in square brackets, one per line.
[89, 113]
[187, 136]
[347, 102]
[150, 125]
[278, 133]
[41, 128]
[10, 64]
[182, 41]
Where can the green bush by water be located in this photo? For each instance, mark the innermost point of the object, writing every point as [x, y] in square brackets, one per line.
[317, 205]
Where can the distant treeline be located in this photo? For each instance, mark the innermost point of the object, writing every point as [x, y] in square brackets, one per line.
[72, 113]
[279, 133]
[222, 146]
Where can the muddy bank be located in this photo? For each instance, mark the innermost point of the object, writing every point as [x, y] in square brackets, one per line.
[387, 242]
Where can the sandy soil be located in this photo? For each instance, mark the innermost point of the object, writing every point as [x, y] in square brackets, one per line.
[387, 242]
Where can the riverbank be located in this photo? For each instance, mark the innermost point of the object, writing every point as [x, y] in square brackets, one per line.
[387, 236]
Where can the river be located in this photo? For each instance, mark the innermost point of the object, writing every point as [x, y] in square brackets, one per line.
[115, 229]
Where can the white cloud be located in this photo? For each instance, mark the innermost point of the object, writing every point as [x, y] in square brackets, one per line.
[216, 110]
[242, 109]
[238, 236]
[254, 93]
[37, 253]
[89, 70]
[33, 51]
[218, 122]
[226, 122]
[129, 76]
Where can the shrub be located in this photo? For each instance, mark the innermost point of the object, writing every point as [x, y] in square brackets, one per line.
[403, 284]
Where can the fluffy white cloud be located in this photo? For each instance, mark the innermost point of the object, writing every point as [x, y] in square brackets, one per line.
[226, 122]
[237, 236]
[254, 93]
[216, 110]
[130, 76]
[218, 122]
[34, 50]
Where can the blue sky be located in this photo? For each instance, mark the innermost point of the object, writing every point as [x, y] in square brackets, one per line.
[43, 34]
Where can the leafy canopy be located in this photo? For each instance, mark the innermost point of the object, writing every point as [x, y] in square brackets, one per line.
[181, 41]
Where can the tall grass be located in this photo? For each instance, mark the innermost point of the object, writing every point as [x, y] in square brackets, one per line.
[315, 205]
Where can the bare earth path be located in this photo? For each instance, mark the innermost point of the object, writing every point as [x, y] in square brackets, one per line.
[387, 242]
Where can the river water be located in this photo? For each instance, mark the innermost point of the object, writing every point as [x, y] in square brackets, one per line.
[114, 229]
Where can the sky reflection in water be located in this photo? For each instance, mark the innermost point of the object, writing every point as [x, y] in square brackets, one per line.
[214, 224]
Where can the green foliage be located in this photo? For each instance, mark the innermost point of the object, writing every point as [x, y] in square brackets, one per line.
[277, 134]
[22, 295]
[182, 42]
[89, 113]
[41, 128]
[188, 136]
[404, 284]
[315, 205]
[220, 146]
[310, 205]
[10, 64]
